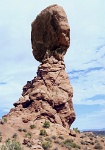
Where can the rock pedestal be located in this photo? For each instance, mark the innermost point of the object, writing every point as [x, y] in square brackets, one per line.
[49, 95]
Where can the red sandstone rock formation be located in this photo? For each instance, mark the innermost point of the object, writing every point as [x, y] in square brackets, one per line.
[50, 34]
[49, 95]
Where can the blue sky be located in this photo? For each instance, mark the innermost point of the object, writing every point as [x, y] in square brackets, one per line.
[85, 59]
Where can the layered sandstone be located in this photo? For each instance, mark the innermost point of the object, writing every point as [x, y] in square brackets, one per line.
[49, 94]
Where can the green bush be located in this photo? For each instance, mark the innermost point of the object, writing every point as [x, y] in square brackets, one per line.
[76, 130]
[96, 141]
[74, 145]
[98, 146]
[32, 126]
[61, 137]
[84, 142]
[70, 144]
[62, 144]
[48, 139]
[28, 135]
[54, 137]
[46, 145]
[82, 136]
[68, 141]
[5, 120]
[46, 124]
[11, 145]
[91, 142]
[43, 132]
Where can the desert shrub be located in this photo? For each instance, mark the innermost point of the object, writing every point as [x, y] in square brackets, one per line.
[48, 139]
[24, 130]
[11, 145]
[96, 141]
[20, 130]
[62, 144]
[61, 137]
[76, 130]
[15, 135]
[43, 132]
[98, 146]
[46, 124]
[28, 135]
[70, 144]
[32, 126]
[82, 136]
[91, 142]
[74, 145]
[5, 120]
[54, 137]
[29, 144]
[90, 134]
[84, 142]
[46, 145]
[0, 138]
[68, 141]
[57, 142]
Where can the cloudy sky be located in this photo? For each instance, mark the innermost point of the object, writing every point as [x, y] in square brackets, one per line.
[85, 59]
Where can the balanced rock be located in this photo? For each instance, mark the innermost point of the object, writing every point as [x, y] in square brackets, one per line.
[50, 33]
[49, 95]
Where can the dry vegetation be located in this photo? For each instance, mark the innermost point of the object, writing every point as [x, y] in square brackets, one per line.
[45, 136]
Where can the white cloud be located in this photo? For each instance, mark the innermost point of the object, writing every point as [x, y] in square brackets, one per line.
[87, 86]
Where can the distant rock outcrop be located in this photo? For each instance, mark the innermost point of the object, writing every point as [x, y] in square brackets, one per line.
[49, 95]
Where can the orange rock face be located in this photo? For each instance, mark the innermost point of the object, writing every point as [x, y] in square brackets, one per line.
[49, 95]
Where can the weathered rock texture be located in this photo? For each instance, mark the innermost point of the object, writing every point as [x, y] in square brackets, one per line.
[50, 33]
[49, 95]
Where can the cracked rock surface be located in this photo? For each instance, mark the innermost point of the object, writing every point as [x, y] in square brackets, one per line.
[49, 94]
[50, 34]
